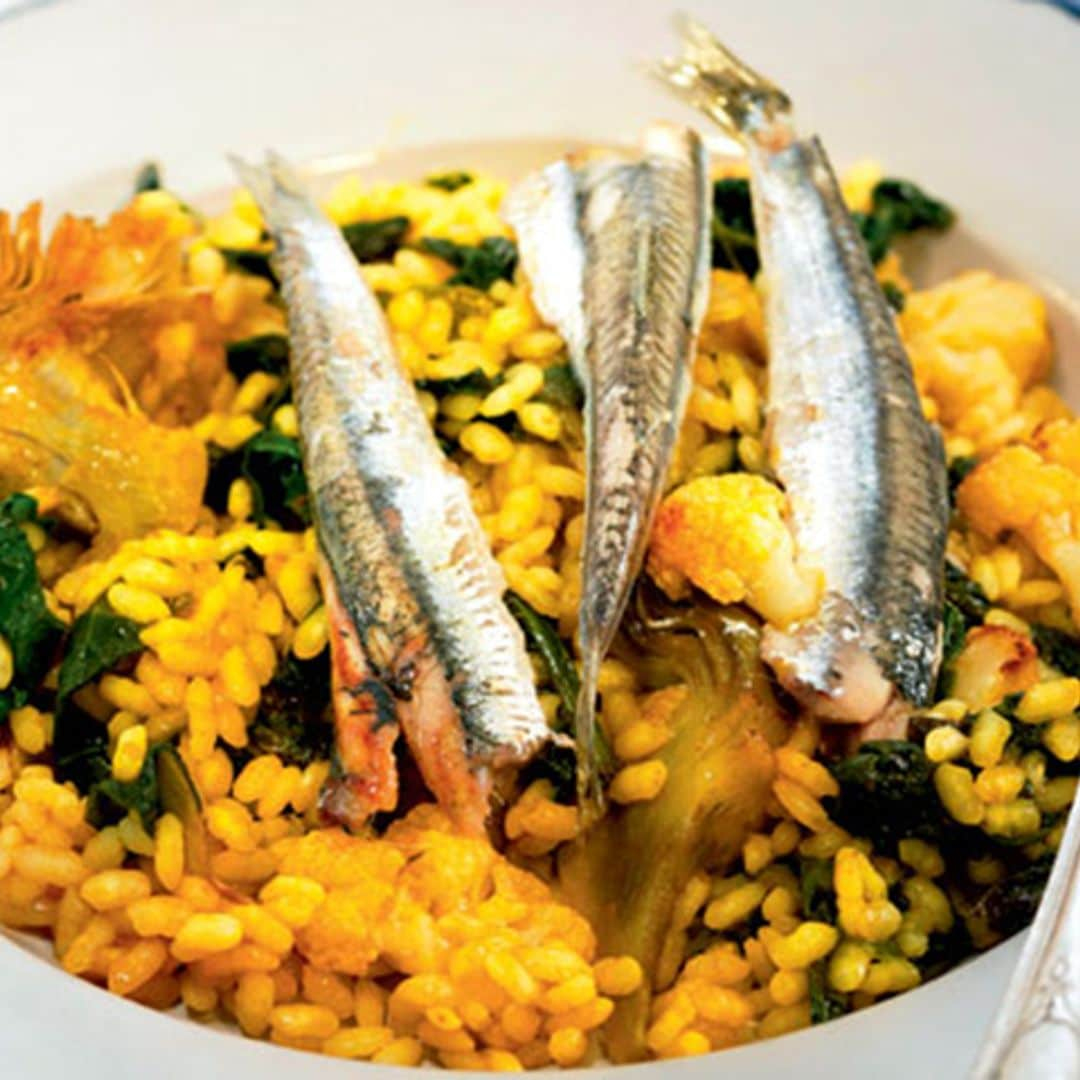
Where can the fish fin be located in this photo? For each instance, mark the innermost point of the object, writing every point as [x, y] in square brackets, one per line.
[711, 78]
[589, 788]
[365, 722]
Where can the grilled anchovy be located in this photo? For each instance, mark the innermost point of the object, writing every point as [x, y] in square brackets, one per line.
[863, 470]
[617, 254]
[420, 635]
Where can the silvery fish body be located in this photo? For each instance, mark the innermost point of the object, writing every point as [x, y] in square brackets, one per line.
[616, 251]
[863, 471]
[420, 635]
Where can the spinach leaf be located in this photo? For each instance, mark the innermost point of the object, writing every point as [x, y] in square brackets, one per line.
[561, 388]
[825, 1004]
[265, 352]
[256, 263]
[81, 754]
[99, 638]
[80, 748]
[886, 793]
[544, 639]
[293, 718]
[372, 241]
[954, 633]
[1057, 649]
[449, 181]
[959, 469]
[895, 296]
[475, 382]
[734, 237]
[899, 207]
[1010, 904]
[965, 594]
[30, 629]
[272, 464]
[481, 265]
[556, 763]
[816, 890]
[110, 800]
[148, 178]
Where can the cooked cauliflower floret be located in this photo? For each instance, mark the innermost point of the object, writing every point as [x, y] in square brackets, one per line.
[1017, 490]
[977, 343]
[727, 535]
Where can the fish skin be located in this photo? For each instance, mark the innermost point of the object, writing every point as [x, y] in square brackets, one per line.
[415, 592]
[617, 254]
[863, 471]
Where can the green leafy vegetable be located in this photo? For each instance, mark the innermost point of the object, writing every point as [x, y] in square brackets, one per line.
[81, 755]
[372, 241]
[1058, 649]
[99, 638]
[1010, 904]
[80, 748]
[256, 263]
[178, 795]
[265, 352]
[449, 181]
[481, 265]
[895, 295]
[271, 463]
[30, 629]
[886, 793]
[959, 469]
[899, 207]
[954, 633]
[816, 890]
[475, 382]
[965, 594]
[734, 237]
[825, 1004]
[561, 388]
[148, 178]
[543, 638]
[293, 720]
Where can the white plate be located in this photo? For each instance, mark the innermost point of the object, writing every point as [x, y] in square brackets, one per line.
[973, 98]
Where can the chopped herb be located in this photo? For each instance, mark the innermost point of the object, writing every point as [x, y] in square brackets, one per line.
[816, 890]
[561, 388]
[825, 1004]
[30, 629]
[256, 263]
[1058, 649]
[265, 352]
[372, 241]
[959, 470]
[899, 207]
[449, 181]
[895, 295]
[734, 238]
[544, 639]
[99, 638]
[481, 265]
[271, 463]
[557, 764]
[293, 720]
[886, 793]
[945, 951]
[148, 178]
